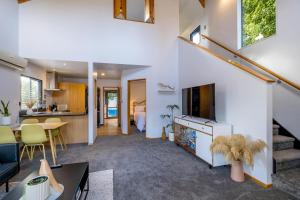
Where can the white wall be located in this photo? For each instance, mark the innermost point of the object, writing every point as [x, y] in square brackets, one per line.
[191, 15]
[87, 31]
[9, 26]
[102, 83]
[219, 17]
[137, 92]
[241, 100]
[10, 90]
[9, 79]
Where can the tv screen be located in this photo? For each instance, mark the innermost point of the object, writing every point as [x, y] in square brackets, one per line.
[199, 101]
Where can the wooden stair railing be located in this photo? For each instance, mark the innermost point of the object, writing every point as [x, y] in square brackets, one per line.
[277, 76]
[242, 67]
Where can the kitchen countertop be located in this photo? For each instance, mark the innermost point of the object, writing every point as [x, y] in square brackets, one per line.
[51, 114]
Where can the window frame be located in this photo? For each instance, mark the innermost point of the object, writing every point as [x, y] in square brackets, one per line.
[240, 24]
[194, 32]
[35, 79]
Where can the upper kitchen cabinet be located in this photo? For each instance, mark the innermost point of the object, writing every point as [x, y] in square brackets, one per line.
[74, 96]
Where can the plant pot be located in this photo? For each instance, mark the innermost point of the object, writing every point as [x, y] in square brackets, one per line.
[163, 134]
[237, 171]
[171, 137]
[29, 111]
[5, 120]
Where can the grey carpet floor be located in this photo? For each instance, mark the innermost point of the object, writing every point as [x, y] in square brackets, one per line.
[151, 170]
[288, 181]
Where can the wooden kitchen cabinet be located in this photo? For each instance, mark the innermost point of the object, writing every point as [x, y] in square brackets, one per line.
[73, 95]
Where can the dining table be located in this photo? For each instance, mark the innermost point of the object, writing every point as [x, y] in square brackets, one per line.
[49, 127]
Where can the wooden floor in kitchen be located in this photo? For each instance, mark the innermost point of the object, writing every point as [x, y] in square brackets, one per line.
[110, 127]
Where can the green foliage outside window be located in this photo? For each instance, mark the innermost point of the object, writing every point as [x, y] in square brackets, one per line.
[258, 20]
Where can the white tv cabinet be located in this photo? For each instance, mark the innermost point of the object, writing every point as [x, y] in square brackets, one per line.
[206, 132]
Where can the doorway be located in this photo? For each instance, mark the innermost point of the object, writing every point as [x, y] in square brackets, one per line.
[111, 112]
[136, 106]
[111, 99]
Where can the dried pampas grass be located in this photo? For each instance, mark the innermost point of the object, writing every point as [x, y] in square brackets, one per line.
[237, 148]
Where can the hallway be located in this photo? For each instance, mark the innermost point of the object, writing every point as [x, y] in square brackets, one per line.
[110, 127]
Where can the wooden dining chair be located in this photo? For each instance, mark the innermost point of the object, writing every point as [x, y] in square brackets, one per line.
[30, 121]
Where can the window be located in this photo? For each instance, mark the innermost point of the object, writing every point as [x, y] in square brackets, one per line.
[31, 89]
[258, 20]
[134, 10]
[196, 35]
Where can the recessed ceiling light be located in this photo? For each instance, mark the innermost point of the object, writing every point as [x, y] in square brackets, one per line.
[102, 74]
[65, 64]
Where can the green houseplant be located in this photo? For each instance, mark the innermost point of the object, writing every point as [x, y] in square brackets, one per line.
[6, 117]
[237, 149]
[169, 120]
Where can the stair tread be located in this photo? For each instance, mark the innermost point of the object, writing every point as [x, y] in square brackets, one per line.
[286, 155]
[276, 126]
[282, 138]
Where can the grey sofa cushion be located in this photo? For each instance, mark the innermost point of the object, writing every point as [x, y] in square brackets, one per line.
[7, 170]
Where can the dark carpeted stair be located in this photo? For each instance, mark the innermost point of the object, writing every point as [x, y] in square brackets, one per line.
[281, 142]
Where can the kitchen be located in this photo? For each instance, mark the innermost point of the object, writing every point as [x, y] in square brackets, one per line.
[63, 96]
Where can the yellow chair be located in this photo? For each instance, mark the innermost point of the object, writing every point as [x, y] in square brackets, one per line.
[33, 135]
[6, 135]
[57, 133]
[30, 121]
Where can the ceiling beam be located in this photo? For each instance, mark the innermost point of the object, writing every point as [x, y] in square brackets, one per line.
[202, 2]
[22, 1]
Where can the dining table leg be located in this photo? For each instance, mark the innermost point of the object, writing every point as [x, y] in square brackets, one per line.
[52, 147]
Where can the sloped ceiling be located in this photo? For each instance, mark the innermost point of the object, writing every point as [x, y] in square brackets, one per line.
[22, 1]
[202, 3]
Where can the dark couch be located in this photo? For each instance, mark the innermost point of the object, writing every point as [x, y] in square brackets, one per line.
[9, 162]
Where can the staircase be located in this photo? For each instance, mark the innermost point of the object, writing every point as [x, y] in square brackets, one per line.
[286, 175]
[284, 154]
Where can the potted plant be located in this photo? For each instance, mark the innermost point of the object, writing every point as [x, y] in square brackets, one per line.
[169, 120]
[30, 105]
[236, 149]
[6, 117]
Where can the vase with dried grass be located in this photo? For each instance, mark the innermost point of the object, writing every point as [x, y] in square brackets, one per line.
[236, 149]
[30, 105]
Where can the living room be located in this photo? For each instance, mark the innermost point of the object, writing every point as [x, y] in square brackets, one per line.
[241, 100]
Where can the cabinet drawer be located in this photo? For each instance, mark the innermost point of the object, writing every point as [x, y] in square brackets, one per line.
[182, 122]
[202, 128]
[196, 126]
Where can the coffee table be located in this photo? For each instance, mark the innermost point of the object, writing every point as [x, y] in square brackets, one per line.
[74, 177]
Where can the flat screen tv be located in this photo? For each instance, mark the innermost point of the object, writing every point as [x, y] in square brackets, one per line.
[199, 101]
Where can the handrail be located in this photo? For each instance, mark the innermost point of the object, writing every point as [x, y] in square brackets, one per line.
[242, 67]
[279, 77]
